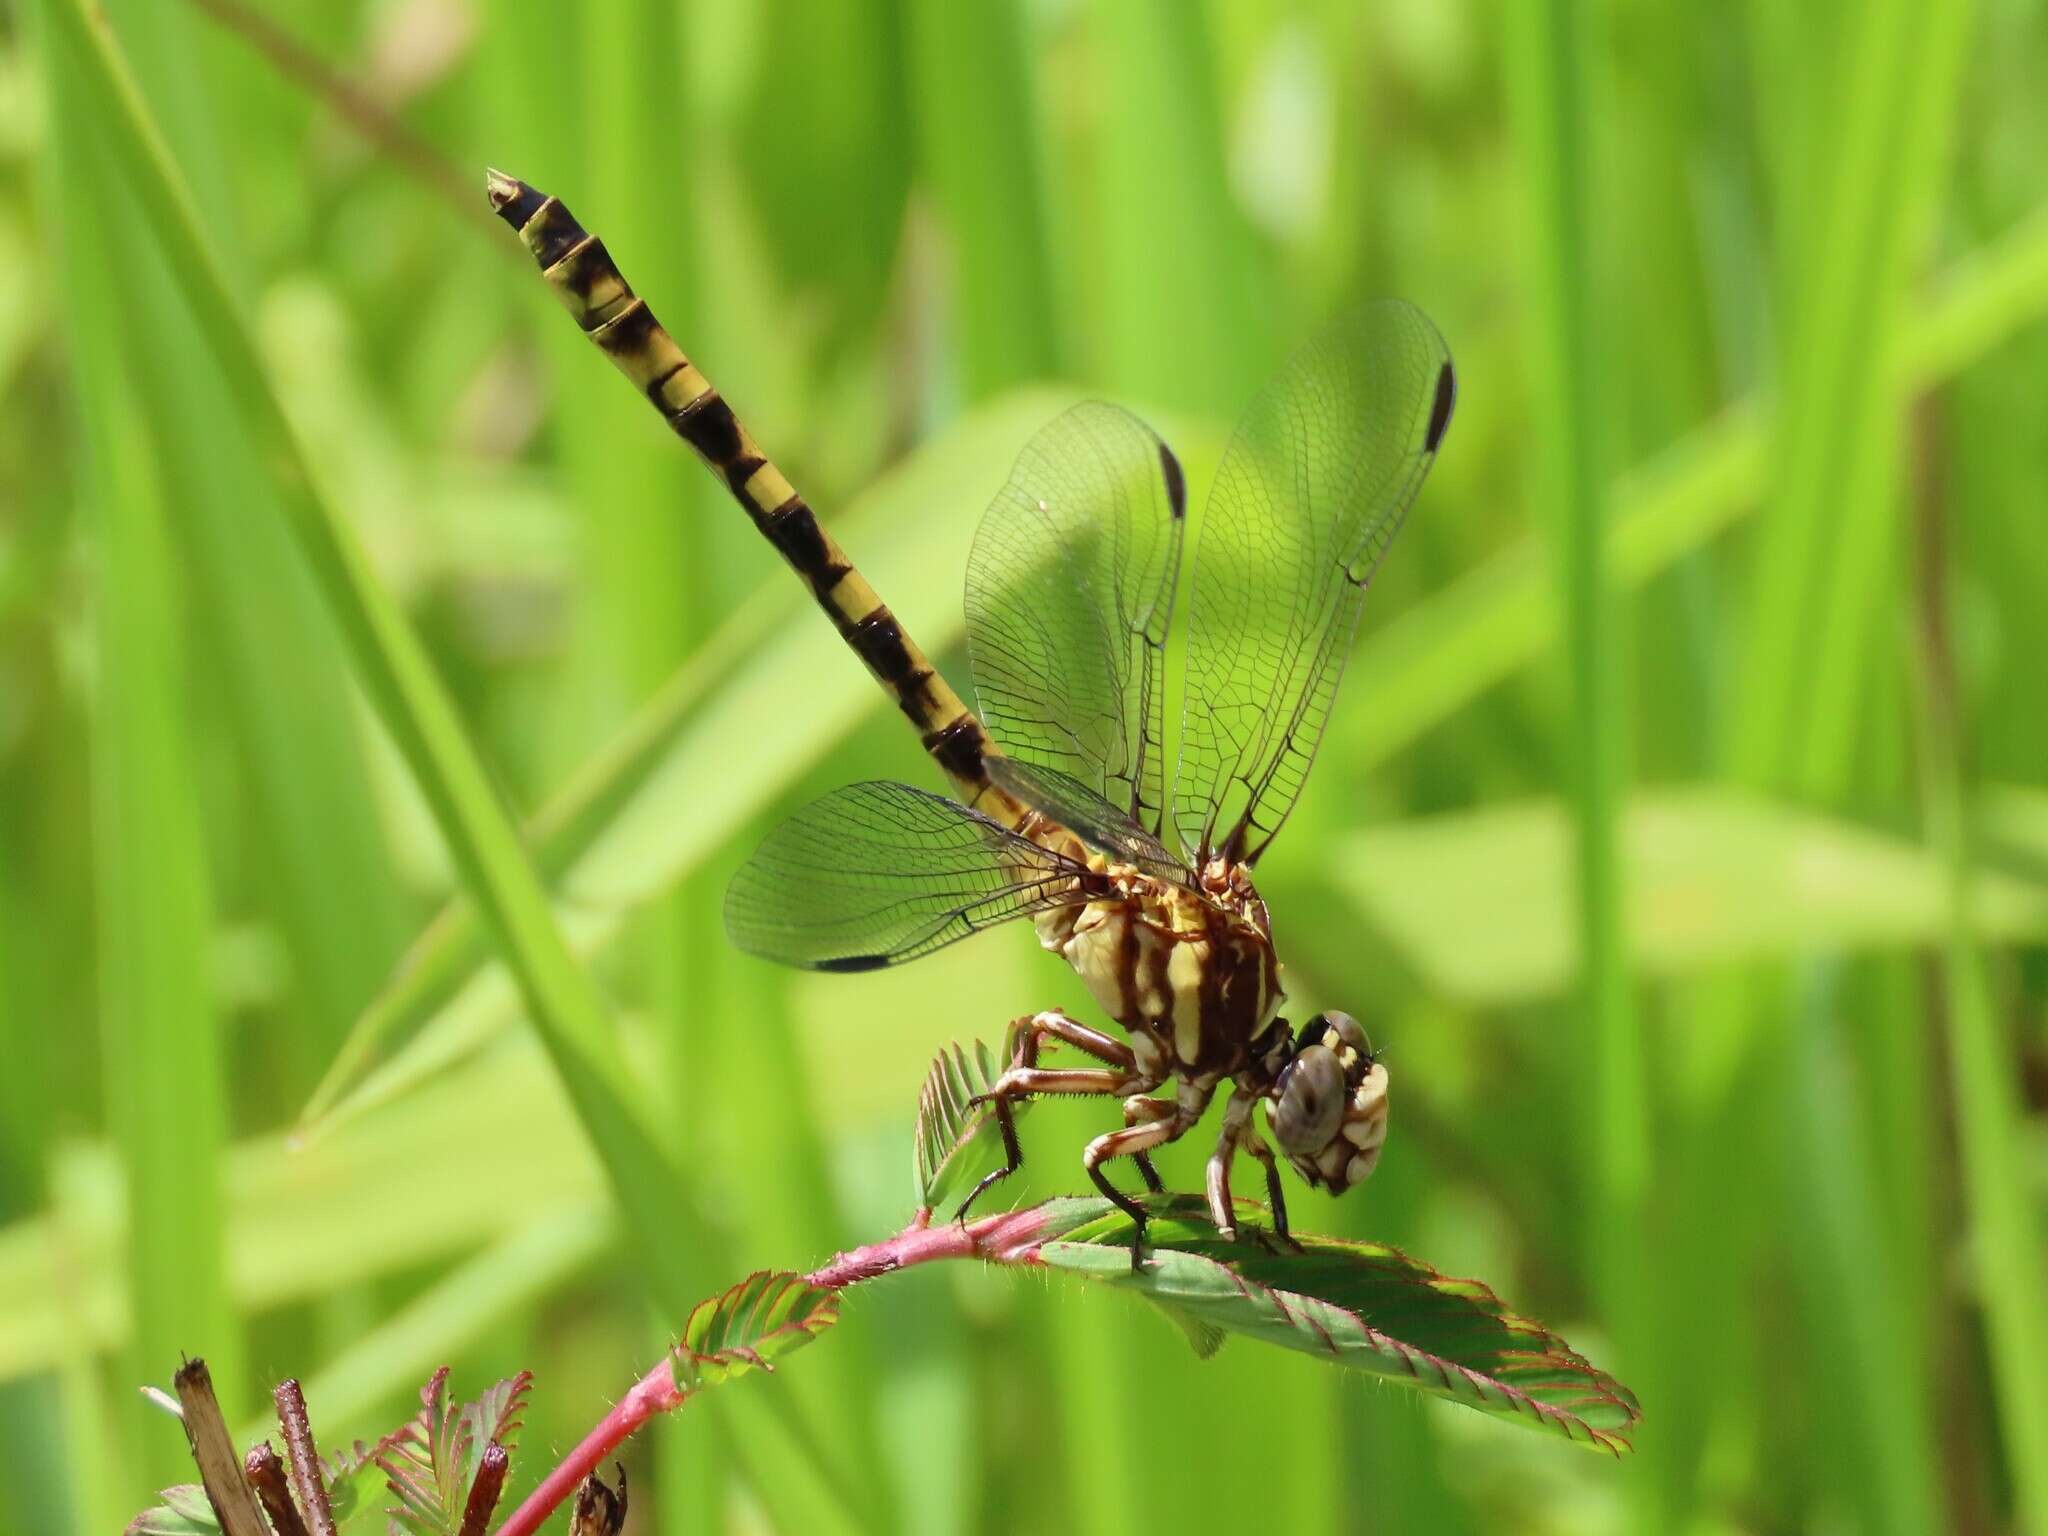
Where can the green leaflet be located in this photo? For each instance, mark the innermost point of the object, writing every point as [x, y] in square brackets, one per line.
[750, 1327]
[953, 1135]
[1364, 1306]
[185, 1511]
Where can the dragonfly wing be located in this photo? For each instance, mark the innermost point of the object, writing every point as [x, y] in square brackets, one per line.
[1088, 816]
[1070, 591]
[1309, 494]
[878, 873]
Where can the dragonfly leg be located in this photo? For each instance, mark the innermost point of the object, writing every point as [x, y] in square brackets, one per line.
[1141, 1109]
[1013, 1158]
[1129, 1142]
[1026, 1082]
[1169, 1122]
[1239, 1133]
[1276, 1200]
[1029, 1033]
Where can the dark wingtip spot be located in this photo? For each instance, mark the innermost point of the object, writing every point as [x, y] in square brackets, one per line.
[512, 199]
[1176, 482]
[1440, 411]
[854, 963]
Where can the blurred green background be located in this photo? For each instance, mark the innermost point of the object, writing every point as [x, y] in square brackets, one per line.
[1729, 595]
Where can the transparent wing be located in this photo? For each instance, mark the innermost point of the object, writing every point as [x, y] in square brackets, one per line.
[878, 873]
[1088, 816]
[1310, 493]
[1070, 592]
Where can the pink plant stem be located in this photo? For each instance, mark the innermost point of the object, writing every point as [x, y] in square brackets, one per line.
[653, 1393]
[1005, 1239]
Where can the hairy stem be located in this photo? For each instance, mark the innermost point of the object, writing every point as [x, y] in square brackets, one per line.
[1007, 1238]
[656, 1392]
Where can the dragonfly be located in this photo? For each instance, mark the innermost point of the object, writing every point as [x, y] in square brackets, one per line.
[1134, 863]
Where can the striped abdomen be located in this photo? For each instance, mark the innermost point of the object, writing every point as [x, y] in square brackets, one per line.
[583, 275]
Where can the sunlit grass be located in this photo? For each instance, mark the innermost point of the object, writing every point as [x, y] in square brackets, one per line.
[1799, 325]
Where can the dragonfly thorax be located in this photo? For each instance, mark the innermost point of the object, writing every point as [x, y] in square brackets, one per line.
[1194, 978]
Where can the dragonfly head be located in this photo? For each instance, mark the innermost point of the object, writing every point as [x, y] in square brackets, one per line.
[1328, 1104]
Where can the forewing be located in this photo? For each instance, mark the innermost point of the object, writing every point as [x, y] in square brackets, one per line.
[878, 873]
[1070, 591]
[1088, 816]
[1310, 493]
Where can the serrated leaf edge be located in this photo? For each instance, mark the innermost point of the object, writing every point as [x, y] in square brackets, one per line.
[1315, 1318]
[947, 1120]
[767, 1314]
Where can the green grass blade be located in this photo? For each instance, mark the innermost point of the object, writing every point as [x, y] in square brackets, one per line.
[1824, 549]
[1182, 312]
[2006, 1231]
[312, 836]
[164, 1068]
[977, 145]
[1552, 70]
[1856, 203]
[2004, 1234]
[409, 701]
[825, 147]
[1439, 655]
[1477, 902]
[298, 1225]
[475, 1297]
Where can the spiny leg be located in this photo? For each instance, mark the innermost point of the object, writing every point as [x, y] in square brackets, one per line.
[1131, 1142]
[1237, 1116]
[1027, 1078]
[1027, 1034]
[1239, 1133]
[1141, 1109]
[1024, 1082]
[1013, 1158]
[1255, 1144]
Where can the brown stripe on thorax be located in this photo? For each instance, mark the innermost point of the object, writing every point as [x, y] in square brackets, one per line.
[590, 285]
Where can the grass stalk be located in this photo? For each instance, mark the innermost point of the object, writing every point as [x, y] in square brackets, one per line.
[1824, 578]
[2004, 1238]
[165, 1073]
[669, 1241]
[1552, 68]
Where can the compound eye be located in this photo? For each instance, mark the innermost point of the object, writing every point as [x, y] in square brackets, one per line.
[1349, 1032]
[1312, 1032]
[1312, 1096]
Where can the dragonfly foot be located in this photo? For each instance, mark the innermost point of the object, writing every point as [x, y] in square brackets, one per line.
[1013, 1151]
[1149, 1174]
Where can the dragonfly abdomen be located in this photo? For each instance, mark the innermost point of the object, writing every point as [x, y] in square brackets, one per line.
[584, 277]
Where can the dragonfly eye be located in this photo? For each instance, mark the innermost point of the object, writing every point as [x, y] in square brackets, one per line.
[1349, 1032]
[1311, 1096]
[1312, 1032]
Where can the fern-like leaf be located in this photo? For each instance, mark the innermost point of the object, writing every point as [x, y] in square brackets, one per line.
[186, 1512]
[183, 1512]
[416, 1466]
[493, 1419]
[750, 1327]
[954, 1135]
[430, 1461]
